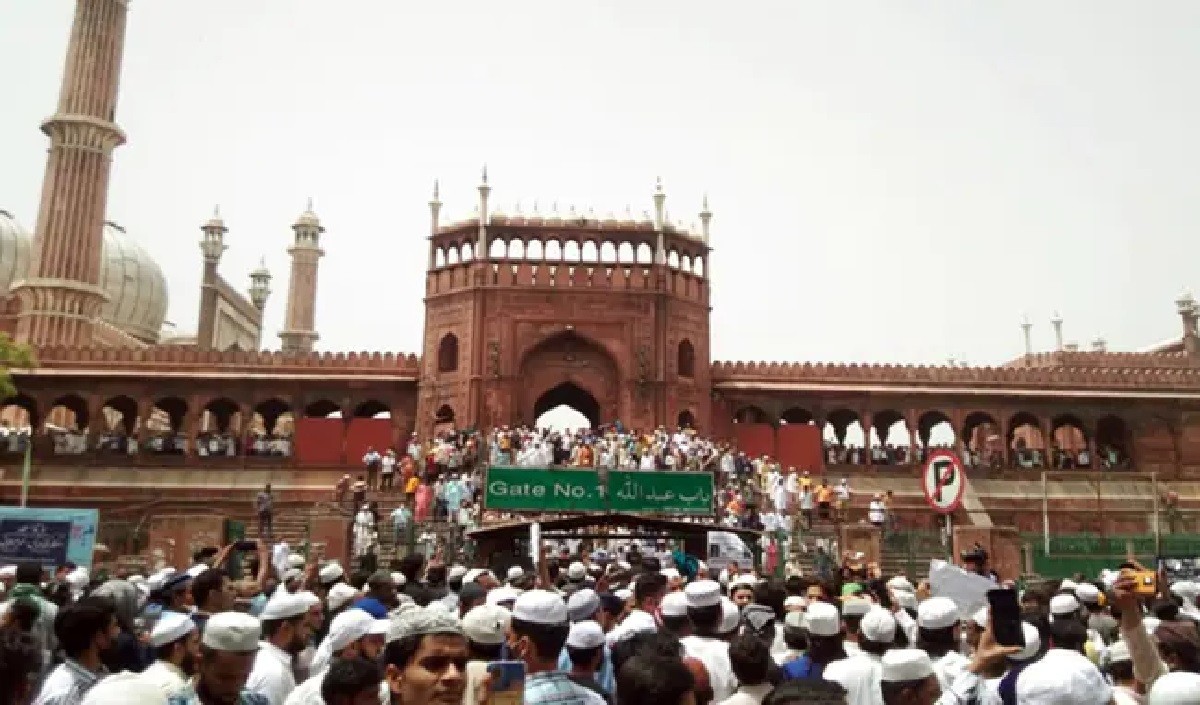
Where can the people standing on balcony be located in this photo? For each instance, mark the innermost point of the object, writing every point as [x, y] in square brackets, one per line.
[824, 497]
[842, 495]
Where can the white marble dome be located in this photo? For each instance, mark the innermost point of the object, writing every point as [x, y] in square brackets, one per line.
[136, 287]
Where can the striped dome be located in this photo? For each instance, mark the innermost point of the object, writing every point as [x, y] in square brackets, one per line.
[136, 287]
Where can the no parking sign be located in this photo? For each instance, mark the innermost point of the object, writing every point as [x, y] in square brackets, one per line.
[943, 481]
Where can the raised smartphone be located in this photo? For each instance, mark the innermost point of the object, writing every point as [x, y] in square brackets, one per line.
[1005, 611]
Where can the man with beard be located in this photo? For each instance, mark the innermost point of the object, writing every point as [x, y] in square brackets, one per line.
[286, 629]
[86, 630]
[176, 643]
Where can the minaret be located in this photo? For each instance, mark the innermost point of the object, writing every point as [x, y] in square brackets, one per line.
[260, 285]
[705, 219]
[299, 326]
[212, 246]
[61, 297]
[1026, 331]
[481, 249]
[435, 210]
[660, 200]
[1056, 323]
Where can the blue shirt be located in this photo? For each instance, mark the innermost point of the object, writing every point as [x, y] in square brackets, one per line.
[555, 688]
[604, 677]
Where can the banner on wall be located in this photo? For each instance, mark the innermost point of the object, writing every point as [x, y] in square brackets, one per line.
[50, 537]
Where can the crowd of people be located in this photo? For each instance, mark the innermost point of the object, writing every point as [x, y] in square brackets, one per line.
[586, 628]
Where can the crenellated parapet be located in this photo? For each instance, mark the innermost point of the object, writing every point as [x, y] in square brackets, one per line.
[179, 358]
[1105, 359]
[1165, 377]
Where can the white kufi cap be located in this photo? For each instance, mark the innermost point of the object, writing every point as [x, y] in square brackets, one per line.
[585, 635]
[879, 626]
[486, 624]
[171, 627]
[125, 688]
[1177, 688]
[856, 607]
[822, 619]
[540, 607]
[583, 604]
[1063, 677]
[1088, 594]
[331, 572]
[1064, 605]
[675, 604]
[905, 666]
[703, 593]
[937, 613]
[284, 606]
[502, 594]
[731, 616]
[418, 621]
[1033, 643]
[339, 595]
[231, 631]
[516, 573]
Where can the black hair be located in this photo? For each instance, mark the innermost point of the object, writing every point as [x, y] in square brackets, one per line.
[29, 573]
[771, 594]
[1068, 634]
[936, 642]
[484, 652]
[20, 664]
[205, 583]
[706, 620]
[807, 692]
[271, 627]
[204, 554]
[583, 657]
[853, 622]
[349, 677]
[547, 639]
[750, 659]
[795, 638]
[411, 566]
[651, 679]
[648, 585]
[676, 625]
[24, 613]
[77, 624]
[794, 585]
[1120, 670]
[825, 649]
[891, 690]
[654, 643]
[876, 648]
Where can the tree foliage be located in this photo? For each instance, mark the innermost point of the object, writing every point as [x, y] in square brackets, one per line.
[13, 355]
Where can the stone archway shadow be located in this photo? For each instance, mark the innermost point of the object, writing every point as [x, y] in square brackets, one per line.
[571, 395]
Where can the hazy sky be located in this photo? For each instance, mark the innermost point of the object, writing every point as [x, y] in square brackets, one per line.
[891, 180]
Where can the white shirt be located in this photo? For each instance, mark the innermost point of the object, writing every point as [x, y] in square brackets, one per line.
[272, 676]
[875, 512]
[167, 676]
[308, 692]
[949, 667]
[714, 654]
[749, 695]
[859, 675]
[636, 621]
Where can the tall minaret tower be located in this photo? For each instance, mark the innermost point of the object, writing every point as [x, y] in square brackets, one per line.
[61, 297]
[299, 327]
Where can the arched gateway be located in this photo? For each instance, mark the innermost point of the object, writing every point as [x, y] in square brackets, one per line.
[597, 314]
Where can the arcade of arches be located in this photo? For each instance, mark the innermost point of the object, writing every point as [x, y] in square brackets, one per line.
[1016, 438]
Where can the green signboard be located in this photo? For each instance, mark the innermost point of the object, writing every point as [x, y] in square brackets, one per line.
[542, 490]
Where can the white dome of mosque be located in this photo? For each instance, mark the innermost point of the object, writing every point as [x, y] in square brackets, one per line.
[136, 287]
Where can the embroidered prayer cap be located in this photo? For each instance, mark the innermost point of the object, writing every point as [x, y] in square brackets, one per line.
[937, 613]
[675, 604]
[1062, 677]
[582, 604]
[585, 635]
[879, 626]
[856, 607]
[486, 624]
[339, 595]
[171, 627]
[284, 606]
[822, 619]
[702, 593]
[231, 631]
[125, 688]
[905, 666]
[540, 607]
[420, 621]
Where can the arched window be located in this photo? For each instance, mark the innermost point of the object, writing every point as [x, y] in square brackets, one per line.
[687, 359]
[448, 353]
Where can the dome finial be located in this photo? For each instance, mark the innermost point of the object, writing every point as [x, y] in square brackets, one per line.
[217, 211]
[308, 206]
[436, 196]
[485, 173]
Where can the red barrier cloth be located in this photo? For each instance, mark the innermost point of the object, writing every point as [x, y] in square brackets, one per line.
[755, 439]
[800, 446]
[362, 434]
[320, 441]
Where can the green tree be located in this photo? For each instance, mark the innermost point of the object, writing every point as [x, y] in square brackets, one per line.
[13, 355]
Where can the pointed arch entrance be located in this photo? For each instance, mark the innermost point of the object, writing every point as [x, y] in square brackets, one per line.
[568, 369]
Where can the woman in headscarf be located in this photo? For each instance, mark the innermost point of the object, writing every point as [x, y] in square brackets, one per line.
[128, 653]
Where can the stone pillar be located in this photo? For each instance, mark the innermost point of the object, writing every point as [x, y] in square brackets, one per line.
[61, 296]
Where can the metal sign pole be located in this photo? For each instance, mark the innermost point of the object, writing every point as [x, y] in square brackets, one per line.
[1046, 513]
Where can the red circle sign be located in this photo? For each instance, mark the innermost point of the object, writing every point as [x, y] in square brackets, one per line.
[943, 481]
